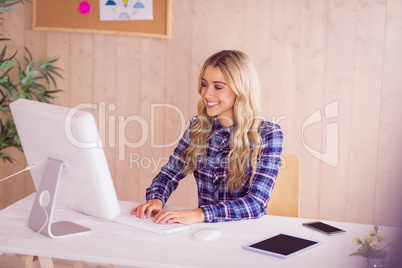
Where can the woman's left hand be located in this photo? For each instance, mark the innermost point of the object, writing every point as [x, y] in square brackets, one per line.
[179, 216]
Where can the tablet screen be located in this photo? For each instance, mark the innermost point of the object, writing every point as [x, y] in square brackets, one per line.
[282, 245]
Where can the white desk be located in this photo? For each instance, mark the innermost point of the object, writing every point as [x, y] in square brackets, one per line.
[112, 243]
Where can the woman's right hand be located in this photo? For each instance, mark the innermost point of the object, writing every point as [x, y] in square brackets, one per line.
[148, 209]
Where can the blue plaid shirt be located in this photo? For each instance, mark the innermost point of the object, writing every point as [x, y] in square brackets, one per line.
[215, 200]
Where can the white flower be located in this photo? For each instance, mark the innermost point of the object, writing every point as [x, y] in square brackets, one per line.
[381, 237]
[368, 238]
[356, 239]
[375, 245]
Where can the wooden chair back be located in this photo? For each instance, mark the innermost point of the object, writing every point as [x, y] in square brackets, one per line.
[285, 198]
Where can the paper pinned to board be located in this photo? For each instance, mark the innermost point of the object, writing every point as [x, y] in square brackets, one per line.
[117, 10]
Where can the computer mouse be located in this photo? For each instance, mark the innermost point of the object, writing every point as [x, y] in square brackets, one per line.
[207, 234]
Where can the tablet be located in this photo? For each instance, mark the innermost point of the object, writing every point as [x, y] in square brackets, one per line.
[283, 245]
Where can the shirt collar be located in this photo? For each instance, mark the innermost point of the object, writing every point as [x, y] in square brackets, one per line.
[220, 129]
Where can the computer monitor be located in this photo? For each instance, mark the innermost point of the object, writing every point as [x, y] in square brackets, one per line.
[70, 166]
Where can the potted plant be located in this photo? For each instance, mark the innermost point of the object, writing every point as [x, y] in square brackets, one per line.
[371, 248]
[30, 79]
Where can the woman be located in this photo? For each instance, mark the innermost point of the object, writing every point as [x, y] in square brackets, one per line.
[233, 154]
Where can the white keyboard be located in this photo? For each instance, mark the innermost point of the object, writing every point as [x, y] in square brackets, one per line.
[148, 224]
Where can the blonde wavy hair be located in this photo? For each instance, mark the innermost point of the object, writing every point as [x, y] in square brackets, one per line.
[241, 77]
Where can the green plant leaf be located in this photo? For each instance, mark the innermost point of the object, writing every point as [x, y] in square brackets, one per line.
[9, 3]
[5, 65]
[36, 80]
[5, 77]
[355, 254]
[3, 53]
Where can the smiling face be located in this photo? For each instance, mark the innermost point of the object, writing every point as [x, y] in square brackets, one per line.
[218, 97]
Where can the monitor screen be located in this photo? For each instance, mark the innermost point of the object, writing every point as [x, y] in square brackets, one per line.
[70, 136]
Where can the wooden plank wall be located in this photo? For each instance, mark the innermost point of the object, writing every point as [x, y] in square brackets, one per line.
[338, 59]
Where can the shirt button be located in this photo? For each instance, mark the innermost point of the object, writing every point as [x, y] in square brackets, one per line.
[221, 149]
[216, 167]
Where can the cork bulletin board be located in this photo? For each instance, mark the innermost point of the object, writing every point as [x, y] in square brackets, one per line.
[64, 15]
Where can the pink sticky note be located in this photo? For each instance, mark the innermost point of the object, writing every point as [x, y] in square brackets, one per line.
[84, 7]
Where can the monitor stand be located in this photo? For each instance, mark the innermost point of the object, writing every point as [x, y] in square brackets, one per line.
[40, 219]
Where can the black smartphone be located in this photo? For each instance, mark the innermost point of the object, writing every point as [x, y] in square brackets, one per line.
[324, 228]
